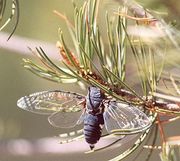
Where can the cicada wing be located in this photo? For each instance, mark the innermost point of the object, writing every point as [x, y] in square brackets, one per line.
[48, 102]
[66, 119]
[123, 118]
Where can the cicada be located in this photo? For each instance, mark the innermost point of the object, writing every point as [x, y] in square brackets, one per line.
[67, 109]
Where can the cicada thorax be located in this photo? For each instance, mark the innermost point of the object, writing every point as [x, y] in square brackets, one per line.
[94, 120]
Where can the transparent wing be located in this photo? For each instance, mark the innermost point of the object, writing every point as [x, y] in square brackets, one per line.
[122, 118]
[65, 108]
[66, 120]
[48, 102]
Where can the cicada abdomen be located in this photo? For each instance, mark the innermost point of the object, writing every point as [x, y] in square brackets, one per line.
[93, 128]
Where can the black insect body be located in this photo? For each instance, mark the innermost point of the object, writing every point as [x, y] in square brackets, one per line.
[93, 120]
[67, 109]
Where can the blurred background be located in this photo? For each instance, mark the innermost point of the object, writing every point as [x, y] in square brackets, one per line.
[38, 26]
